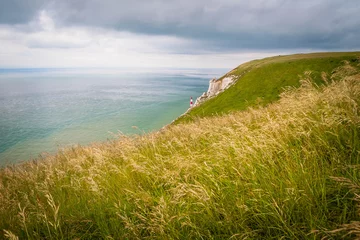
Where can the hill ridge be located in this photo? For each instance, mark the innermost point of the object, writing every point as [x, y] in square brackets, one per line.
[253, 73]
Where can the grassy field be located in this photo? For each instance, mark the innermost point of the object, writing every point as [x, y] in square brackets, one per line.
[260, 82]
[287, 170]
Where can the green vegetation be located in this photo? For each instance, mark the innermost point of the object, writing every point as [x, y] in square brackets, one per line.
[288, 170]
[261, 81]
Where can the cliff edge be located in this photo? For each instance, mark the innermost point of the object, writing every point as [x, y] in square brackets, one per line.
[215, 87]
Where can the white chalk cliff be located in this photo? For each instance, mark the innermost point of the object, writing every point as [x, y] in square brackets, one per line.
[215, 87]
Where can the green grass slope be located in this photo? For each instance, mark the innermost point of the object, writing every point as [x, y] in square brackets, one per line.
[289, 170]
[261, 81]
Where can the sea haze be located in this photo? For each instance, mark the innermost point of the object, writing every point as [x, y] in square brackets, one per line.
[42, 110]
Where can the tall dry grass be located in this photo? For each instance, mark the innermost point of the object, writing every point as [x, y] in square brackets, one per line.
[283, 171]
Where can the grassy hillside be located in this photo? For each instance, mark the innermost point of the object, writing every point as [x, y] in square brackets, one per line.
[288, 170]
[261, 81]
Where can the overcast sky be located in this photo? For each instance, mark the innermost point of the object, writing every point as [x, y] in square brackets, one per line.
[170, 33]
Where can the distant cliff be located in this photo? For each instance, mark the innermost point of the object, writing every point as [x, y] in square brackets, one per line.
[215, 87]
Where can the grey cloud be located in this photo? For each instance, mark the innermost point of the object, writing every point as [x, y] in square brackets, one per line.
[225, 24]
[221, 25]
[19, 11]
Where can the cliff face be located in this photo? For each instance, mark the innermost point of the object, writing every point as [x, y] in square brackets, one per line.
[215, 87]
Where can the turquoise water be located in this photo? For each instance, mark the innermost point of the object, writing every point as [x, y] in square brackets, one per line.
[42, 110]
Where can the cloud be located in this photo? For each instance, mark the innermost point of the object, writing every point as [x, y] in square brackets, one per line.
[171, 32]
[224, 24]
[62, 40]
[50, 45]
[220, 25]
[93, 47]
[19, 11]
[45, 21]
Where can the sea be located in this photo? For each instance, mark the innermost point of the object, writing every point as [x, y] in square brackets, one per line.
[43, 110]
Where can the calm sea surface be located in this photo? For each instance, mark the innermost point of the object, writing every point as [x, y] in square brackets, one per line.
[42, 110]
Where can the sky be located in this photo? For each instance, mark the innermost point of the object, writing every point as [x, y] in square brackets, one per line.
[170, 33]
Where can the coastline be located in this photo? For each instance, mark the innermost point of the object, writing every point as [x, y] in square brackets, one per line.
[77, 112]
